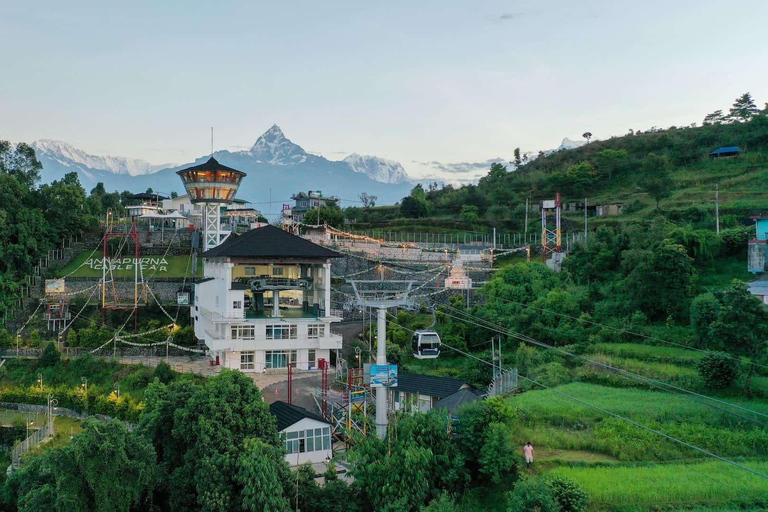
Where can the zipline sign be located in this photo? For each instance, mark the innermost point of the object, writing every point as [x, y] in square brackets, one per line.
[380, 375]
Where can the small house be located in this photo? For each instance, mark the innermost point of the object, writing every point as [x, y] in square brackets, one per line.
[307, 436]
[725, 152]
[144, 203]
[452, 403]
[416, 392]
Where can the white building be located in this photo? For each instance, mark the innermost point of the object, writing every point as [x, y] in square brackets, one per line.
[307, 436]
[458, 279]
[265, 302]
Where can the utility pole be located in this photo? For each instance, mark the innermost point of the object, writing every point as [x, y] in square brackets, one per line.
[526, 217]
[381, 359]
[717, 207]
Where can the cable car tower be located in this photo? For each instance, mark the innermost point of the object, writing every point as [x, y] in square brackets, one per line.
[381, 295]
[551, 236]
[213, 185]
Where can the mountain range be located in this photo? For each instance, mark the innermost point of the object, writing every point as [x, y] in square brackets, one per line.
[277, 168]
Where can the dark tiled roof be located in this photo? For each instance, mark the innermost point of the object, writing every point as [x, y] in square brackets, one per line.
[288, 414]
[269, 242]
[239, 286]
[439, 387]
[459, 398]
[149, 196]
[211, 165]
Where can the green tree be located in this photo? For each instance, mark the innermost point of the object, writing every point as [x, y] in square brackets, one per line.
[470, 214]
[331, 215]
[715, 117]
[661, 285]
[718, 370]
[497, 455]
[532, 494]
[518, 161]
[413, 207]
[568, 495]
[655, 177]
[611, 162]
[705, 309]
[257, 474]
[50, 357]
[743, 108]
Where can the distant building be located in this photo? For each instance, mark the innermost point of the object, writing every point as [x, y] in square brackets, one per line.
[610, 209]
[458, 278]
[420, 393]
[311, 200]
[725, 152]
[758, 246]
[307, 436]
[145, 203]
[265, 302]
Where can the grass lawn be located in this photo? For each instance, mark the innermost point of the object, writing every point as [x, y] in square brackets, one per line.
[638, 404]
[721, 271]
[662, 354]
[85, 265]
[669, 485]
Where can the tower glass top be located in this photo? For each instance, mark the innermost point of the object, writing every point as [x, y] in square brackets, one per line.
[211, 182]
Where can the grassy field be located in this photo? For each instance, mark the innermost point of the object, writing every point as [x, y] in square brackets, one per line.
[670, 486]
[665, 354]
[86, 264]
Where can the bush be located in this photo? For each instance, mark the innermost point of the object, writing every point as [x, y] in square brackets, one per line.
[532, 495]
[718, 370]
[163, 372]
[51, 356]
[568, 494]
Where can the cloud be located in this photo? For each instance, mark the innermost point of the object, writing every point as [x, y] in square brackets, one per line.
[463, 167]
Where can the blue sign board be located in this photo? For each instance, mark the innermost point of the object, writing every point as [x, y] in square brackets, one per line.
[384, 375]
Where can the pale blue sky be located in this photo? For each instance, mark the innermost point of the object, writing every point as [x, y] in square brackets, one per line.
[412, 81]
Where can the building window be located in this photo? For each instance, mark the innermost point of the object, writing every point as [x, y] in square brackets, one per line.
[280, 358]
[282, 332]
[243, 332]
[250, 271]
[316, 331]
[311, 357]
[277, 271]
[247, 360]
[310, 440]
[237, 304]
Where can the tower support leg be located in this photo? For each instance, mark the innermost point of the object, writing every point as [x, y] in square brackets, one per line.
[381, 359]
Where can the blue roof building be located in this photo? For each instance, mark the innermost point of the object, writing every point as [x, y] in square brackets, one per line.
[725, 152]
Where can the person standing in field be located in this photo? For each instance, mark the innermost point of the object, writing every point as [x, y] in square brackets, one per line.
[528, 452]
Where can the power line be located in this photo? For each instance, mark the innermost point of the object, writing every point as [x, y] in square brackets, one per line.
[615, 415]
[646, 380]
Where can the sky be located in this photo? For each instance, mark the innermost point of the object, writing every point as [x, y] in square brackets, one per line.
[420, 82]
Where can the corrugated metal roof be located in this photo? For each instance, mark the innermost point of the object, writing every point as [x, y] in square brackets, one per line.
[726, 149]
[289, 414]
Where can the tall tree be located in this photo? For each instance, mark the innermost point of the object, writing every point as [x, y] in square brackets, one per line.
[587, 136]
[368, 200]
[743, 108]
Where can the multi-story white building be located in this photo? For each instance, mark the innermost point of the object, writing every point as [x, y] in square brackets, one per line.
[265, 302]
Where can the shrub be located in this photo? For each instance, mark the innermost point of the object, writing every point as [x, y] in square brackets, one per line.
[163, 372]
[718, 370]
[568, 494]
[497, 457]
[532, 495]
[51, 356]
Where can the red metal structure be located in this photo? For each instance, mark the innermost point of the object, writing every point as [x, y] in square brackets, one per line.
[133, 234]
[324, 365]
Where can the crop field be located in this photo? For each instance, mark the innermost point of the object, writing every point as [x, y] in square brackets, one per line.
[670, 485]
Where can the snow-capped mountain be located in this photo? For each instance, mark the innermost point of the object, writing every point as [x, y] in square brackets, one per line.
[570, 144]
[69, 156]
[380, 169]
[273, 147]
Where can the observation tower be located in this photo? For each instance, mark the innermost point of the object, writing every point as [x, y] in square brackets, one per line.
[214, 185]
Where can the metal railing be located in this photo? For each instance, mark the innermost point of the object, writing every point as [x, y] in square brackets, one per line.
[21, 449]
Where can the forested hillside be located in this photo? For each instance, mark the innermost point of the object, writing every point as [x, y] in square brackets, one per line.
[654, 172]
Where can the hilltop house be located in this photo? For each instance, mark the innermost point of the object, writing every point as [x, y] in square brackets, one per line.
[310, 201]
[265, 302]
[725, 152]
[307, 436]
[145, 203]
[758, 246]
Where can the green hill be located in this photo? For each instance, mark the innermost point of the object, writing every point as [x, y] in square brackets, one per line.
[672, 165]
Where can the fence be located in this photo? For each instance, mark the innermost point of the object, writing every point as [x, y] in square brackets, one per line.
[504, 383]
[21, 449]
